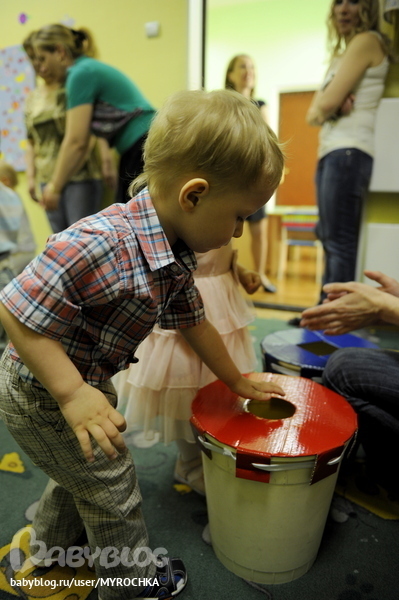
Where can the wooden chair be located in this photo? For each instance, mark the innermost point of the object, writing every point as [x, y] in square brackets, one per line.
[298, 229]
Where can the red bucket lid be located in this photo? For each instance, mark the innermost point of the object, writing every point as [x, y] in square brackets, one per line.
[311, 420]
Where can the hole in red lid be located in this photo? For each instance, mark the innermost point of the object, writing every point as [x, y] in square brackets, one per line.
[273, 409]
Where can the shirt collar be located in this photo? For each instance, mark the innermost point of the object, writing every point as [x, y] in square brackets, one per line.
[151, 237]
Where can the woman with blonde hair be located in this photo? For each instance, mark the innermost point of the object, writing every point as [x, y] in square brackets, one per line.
[45, 123]
[240, 76]
[346, 108]
[101, 100]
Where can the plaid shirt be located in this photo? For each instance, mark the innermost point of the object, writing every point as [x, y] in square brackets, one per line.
[100, 286]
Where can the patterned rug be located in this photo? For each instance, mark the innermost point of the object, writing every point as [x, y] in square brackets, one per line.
[21, 484]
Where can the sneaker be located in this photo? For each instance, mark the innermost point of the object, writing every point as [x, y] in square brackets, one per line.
[191, 473]
[171, 577]
[267, 285]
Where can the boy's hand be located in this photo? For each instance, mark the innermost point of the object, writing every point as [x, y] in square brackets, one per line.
[256, 390]
[89, 413]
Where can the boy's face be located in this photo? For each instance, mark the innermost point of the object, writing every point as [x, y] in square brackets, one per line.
[217, 216]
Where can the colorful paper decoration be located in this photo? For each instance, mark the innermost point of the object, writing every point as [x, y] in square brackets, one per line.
[17, 79]
[12, 462]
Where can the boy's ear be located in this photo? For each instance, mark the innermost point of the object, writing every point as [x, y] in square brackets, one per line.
[192, 192]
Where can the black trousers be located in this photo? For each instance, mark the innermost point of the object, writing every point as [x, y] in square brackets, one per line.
[131, 164]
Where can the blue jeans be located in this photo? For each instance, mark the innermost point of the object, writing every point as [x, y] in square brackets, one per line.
[342, 181]
[78, 199]
[369, 380]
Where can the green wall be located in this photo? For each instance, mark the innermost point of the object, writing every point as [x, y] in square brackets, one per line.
[286, 39]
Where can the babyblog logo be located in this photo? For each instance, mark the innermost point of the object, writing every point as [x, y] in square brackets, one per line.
[76, 556]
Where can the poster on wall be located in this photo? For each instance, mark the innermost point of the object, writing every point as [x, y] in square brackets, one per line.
[17, 79]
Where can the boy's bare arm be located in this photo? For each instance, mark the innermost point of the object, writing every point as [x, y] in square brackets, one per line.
[207, 343]
[86, 409]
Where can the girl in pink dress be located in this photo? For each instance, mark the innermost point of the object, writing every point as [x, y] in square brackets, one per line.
[156, 394]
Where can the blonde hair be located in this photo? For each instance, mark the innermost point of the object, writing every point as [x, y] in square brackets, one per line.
[7, 172]
[230, 67]
[51, 36]
[369, 15]
[220, 135]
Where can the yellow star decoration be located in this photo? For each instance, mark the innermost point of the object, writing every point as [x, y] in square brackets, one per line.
[12, 462]
[182, 488]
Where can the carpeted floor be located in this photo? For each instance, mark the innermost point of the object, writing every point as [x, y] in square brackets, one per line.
[357, 559]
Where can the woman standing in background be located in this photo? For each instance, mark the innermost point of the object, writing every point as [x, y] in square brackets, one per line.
[346, 107]
[240, 76]
[45, 110]
[100, 100]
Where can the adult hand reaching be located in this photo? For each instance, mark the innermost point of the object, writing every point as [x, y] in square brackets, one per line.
[387, 284]
[353, 305]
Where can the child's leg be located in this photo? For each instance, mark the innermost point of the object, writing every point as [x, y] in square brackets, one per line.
[188, 450]
[106, 493]
[188, 468]
[57, 521]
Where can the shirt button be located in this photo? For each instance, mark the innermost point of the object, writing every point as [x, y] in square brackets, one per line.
[174, 268]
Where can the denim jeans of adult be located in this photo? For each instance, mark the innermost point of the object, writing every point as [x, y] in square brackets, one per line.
[79, 199]
[342, 180]
[369, 380]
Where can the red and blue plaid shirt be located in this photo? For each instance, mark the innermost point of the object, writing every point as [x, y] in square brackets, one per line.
[100, 286]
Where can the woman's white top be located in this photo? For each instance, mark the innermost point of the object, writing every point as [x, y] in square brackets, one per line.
[355, 130]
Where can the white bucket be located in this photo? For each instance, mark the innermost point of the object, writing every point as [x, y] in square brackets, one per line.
[270, 470]
[265, 532]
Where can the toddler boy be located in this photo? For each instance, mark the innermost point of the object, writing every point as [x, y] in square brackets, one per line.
[77, 314]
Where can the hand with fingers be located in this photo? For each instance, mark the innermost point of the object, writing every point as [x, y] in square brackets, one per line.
[256, 390]
[250, 280]
[89, 414]
[353, 305]
[387, 284]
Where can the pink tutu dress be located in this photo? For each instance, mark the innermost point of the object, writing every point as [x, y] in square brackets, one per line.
[156, 393]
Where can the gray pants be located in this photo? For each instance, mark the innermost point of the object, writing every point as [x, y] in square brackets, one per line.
[102, 497]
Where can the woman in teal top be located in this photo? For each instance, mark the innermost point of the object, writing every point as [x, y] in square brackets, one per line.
[101, 101]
